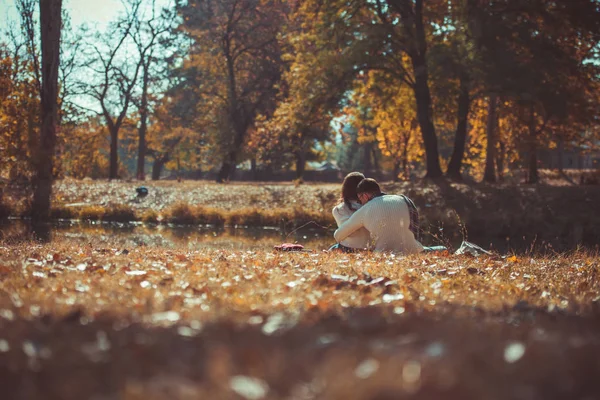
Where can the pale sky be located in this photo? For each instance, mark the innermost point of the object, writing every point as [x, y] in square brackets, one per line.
[93, 12]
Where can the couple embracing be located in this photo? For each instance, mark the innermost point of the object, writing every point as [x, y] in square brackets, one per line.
[368, 219]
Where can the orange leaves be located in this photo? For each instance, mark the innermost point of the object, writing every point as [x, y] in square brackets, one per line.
[217, 282]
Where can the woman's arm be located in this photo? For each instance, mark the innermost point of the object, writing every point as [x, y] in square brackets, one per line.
[354, 223]
[341, 214]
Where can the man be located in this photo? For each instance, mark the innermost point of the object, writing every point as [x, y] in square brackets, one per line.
[386, 217]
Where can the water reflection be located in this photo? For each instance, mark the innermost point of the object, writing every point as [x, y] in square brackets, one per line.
[169, 236]
[241, 238]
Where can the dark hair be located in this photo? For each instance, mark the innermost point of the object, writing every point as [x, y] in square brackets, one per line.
[349, 185]
[368, 185]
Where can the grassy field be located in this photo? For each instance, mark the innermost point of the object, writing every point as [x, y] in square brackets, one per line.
[99, 321]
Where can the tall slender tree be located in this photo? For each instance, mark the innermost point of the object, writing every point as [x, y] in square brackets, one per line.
[489, 174]
[147, 34]
[50, 27]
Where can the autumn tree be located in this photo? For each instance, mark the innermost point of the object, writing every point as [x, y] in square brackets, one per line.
[537, 55]
[454, 78]
[149, 29]
[19, 113]
[176, 137]
[309, 97]
[390, 36]
[112, 77]
[86, 152]
[398, 130]
[21, 86]
[236, 51]
[385, 115]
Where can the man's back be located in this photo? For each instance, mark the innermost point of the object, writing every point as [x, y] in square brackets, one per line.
[387, 219]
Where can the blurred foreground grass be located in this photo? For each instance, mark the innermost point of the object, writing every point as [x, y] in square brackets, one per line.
[99, 321]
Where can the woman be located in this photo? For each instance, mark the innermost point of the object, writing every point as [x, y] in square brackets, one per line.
[359, 240]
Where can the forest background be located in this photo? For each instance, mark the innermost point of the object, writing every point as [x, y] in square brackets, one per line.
[465, 89]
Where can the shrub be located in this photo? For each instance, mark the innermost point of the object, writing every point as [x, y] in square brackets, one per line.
[180, 213]
[63, 212]
[250, 217]
[91, 213]
[211, 216]
[119, 213]
[150, 216]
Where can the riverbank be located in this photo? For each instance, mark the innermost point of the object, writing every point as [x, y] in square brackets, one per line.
[102, 321]
[559, 217]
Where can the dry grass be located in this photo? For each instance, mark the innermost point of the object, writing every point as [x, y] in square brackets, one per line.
[147, 322]
[184, 214]
[111, 213]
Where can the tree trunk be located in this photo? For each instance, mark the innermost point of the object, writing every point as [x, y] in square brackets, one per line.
[157, 167]
[376, 166]
[460, 137]
[561, 155]
[423, 96]
[226, 168]
[50, 26]
[405, 170]
[396, 170]
[367, 166]
[300, 163]
[230, 159]
[489, 174]
[141, 161]
[32, 133]
[532, 176]
[500, 160]
[113, 172]
[223, 172]
[254, 169]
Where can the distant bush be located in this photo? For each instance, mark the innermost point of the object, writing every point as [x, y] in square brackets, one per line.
[180, 213]
[149, 216]
[91, 213]
[119, 213]
[63, 212]
[211, 216]
[252, 216]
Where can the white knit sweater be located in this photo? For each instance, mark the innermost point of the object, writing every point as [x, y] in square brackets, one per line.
[358, 239]
[387, 219]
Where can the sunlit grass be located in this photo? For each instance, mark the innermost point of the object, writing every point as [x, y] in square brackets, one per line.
[270, 281]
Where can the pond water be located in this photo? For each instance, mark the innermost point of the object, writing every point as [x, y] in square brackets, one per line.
[169, 236]
[232, 238]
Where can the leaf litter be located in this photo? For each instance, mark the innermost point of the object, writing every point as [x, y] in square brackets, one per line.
[299, 325]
